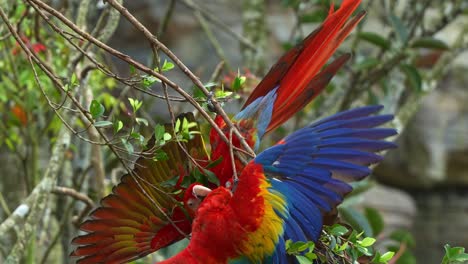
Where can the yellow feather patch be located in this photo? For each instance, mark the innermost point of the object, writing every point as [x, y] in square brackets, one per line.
[262, 242]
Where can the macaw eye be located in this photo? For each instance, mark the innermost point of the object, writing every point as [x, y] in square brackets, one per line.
[228, 184]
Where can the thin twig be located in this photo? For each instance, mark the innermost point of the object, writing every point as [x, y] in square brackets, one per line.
[219, 23]
[139, 66]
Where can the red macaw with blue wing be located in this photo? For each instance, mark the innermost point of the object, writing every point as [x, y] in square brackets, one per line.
[142, 216]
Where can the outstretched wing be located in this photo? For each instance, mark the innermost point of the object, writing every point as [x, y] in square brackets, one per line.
[141, 215]
[310, 167]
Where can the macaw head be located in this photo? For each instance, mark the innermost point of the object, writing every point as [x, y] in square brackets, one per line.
[193, 197]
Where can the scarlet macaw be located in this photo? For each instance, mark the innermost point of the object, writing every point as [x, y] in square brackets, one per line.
[284, 192]
[291, 83]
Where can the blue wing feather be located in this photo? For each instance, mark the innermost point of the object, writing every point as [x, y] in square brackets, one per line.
[309, 166]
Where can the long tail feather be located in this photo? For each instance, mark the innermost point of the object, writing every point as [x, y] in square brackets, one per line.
[296, 75]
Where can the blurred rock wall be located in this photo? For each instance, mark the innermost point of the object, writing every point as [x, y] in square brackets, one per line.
[431, 164]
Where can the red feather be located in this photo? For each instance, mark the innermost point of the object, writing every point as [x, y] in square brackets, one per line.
[297, 72]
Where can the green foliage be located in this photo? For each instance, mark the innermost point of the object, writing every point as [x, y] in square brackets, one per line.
[375, 220]
[454, 255]
[304, 251]
[96, 109]
[167, 66]
[183, 131]
[375, 39]
[136, 104]
[356, 219]
[429, 43]
[238, 82]
[399, 27]
[338, 244]
[412, 76]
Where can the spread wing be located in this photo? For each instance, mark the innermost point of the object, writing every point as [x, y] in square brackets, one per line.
[141, 215]
[311, 167]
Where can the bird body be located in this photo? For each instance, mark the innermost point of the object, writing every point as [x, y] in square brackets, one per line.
[284, 192]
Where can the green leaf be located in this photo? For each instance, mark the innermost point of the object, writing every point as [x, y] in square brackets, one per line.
[342, 247]
[161, 155]
[140, 120]
[429, 43]
[177, 126]
[167, 65]
[310, 256]
[127, 145]
[167, 136]
[288, 244]
[159, 131]
[149, 80]
[403, 236]
[400, 29]
[135, 103]
[386, 256]
[412, 76]
[140, 138]
[132, 69]
[367, 63]
[210, 85]
[238, 82]
[372, 97]
[303, 259]
[375, 220]
[222, 94]
[462, 257]
[172, 181]
[96, 109]
[338, 230]
[104, 123]
[357, 220]
[452, 252]
[376, 39]
[297, 247]
[316, 16]
[367, 242]
[211, 177]
[74, 79]
[198, 93]
[364, 250]
[118, 125]
[360, 187]
[213, 163]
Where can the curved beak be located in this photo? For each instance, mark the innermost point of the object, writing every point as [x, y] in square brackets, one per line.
[200, 191]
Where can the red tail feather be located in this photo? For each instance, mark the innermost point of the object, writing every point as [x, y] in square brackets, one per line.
[296, 72]
[313, 88]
